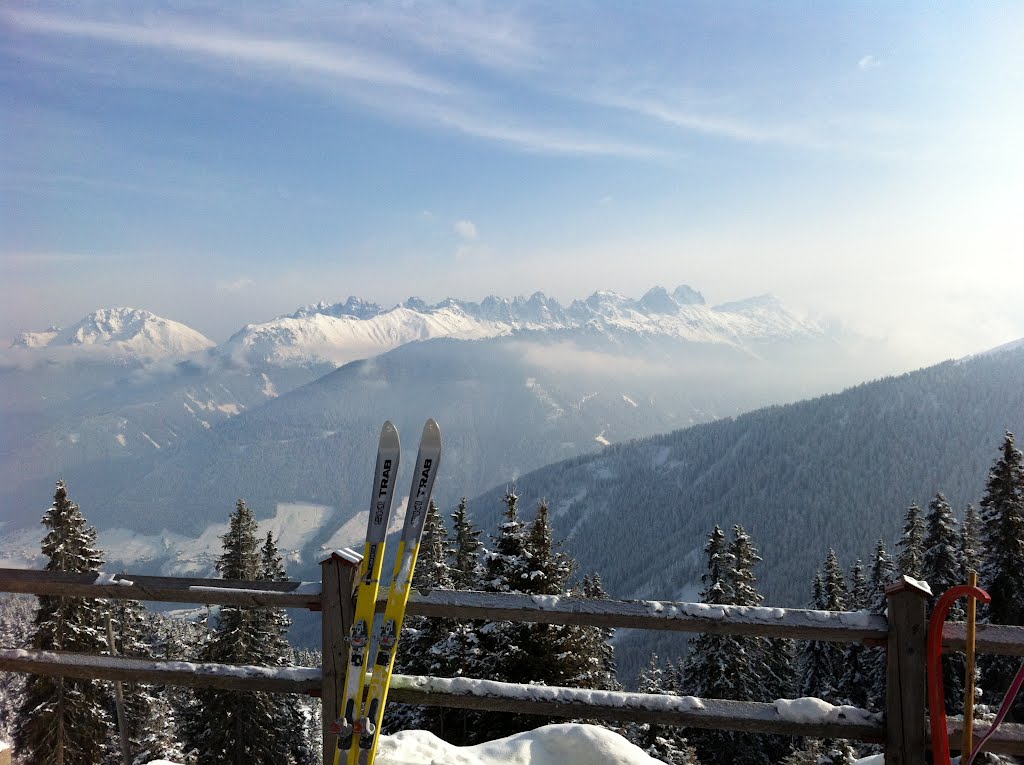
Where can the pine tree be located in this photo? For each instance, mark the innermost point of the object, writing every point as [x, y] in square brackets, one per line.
[910, 559]
[1002, 571]
[273, 624]
[16, 615]
[467, 550]
[598, 645]
[704, 666]
[422, 647]
[220, 727]
[971, 555]
[882, 572]
[733, 666]
[941, 564]
[64, 720]
[856, 680]
[527, 559]
[821, 663]
[458, 654]
[661, 742]
[942, 568]
[146, 711]
[505, 569]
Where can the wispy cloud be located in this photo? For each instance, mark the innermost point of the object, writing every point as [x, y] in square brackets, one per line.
[466, 229]
[233, 286]
[508, 130]
[719, 126]
[337, 61]
[488, 34]
[388, 84]
[869, 62]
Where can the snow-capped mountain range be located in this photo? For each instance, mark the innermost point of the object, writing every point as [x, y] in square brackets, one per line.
[130, 332]
[337, 333]
[163, 428]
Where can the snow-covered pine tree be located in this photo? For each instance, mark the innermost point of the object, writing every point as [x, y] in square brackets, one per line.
[150, 735]
[180, 640]
[821, 667]
[598, 644]
[882, 572]
[834, 584]
[467, 550]
[941, 564]
[733, 666]
[220, 726]
[425, 645]
[855, 681]
[446, 647]
[942, 568]
[1002, 570]
[527, 559]
[506, 568]
[910, 558]
[703, 668]
[16, 614]
[291, 711]
[64, 720]
[971, 554]
[507, 565]
[661, 742]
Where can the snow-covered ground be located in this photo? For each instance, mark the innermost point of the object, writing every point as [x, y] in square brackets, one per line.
[565, 744]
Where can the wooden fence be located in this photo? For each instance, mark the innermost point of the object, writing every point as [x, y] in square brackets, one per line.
[902, 729]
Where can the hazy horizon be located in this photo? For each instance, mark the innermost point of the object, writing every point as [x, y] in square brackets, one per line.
[220, 165]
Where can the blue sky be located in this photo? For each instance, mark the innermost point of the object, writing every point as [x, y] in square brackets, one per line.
[221, 164]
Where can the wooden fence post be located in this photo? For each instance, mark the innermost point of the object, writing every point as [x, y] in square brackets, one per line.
[906, 690]
[338, 576]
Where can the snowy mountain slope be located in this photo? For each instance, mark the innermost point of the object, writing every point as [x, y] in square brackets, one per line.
[837, 471]
[507, 405]
[121, 332]
[322, 337]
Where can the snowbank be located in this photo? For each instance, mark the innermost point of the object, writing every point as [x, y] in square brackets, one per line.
[565, 744]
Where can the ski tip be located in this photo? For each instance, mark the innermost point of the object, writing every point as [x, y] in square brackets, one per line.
[431, 432]
[389, 434]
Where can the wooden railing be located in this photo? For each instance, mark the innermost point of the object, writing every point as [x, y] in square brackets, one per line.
[902, 729]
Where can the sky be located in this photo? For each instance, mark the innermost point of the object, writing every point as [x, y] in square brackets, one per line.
[221, 164]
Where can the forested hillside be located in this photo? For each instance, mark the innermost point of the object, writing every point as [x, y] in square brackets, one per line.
[505, 405]
[838, 471]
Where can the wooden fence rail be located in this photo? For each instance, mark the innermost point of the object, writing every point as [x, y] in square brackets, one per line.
[903, 635]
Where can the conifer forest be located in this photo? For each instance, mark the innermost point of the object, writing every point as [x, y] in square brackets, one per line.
[70, 720]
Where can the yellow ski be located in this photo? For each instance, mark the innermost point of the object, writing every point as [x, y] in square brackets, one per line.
[367, 727]
[388, 453]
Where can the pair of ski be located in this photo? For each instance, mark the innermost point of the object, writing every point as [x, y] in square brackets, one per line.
[358, 728]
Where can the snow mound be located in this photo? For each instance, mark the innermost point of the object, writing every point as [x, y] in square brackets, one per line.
[565, 744]
[814, 710]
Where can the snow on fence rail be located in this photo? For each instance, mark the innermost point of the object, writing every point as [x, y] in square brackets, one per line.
[903, 634]
[800, 624]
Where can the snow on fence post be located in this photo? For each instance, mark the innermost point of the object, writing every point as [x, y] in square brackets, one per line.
[338, 575]
[905, 690]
